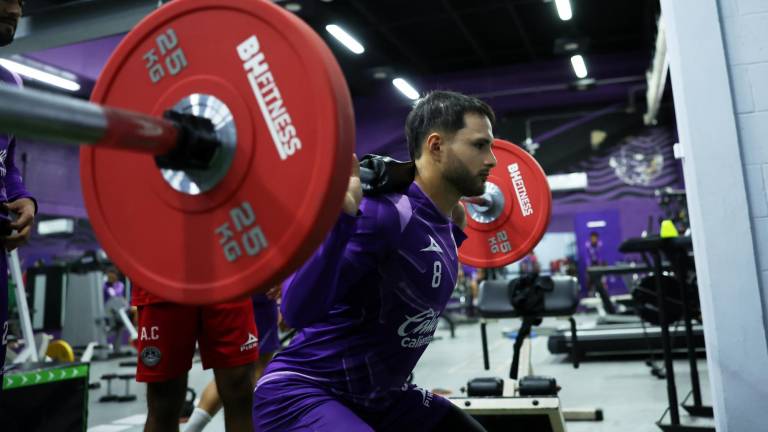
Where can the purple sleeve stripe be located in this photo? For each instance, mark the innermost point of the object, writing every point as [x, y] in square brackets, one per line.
[403, 205]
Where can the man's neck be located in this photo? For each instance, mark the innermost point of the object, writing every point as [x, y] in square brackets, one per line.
[444, 196]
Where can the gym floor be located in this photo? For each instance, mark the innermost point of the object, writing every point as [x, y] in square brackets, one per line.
[631, 398]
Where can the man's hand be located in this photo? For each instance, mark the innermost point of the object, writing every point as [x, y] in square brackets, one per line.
[275, 292]
[24, 209]
[354, 190]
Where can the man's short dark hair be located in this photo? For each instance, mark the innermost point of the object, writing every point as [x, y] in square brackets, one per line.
[441, 111]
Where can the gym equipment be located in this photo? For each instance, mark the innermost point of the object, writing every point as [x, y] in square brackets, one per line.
[613, 310]
[559, 299]
[127, 396]
[511, 217]
[615, 332]
[109, 397]
[676, 250]
[668, 229]
[98, 326]
[85, 295]
[673, 202]
[485, 386]
[499, 414]
[30, 352]
[60, 350]
[47, 289]
[117, 320]
[206, 150]
[622, 339]
[538, 386]
[220, 197]
[504, 223]
[45, 397]
[507, 404]
[646, 301]
[189, 404]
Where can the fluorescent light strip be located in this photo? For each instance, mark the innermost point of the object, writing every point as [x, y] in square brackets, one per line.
[405, 88]
[345, 38]
[579, 67]
[567, 182]
[564, 9]
[39, 75]
[597, 224]
[56, 226]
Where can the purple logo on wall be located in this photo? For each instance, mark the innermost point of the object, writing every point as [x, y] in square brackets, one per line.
[638, 160]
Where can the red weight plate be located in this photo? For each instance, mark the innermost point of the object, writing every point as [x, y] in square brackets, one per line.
[268, 82]
[504, 232]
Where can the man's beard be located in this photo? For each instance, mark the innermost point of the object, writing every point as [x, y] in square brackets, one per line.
[462, 179]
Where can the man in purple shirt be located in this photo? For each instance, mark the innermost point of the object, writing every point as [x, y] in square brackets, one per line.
[113, 286]
[594, 249]
[368, 301]
[14, 196]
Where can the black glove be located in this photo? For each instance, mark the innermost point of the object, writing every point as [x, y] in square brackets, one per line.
[382, 174]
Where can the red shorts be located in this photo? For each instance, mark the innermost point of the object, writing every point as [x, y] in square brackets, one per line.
[226, 334]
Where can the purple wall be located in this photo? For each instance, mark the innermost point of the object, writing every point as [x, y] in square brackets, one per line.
[52, 174]
[607, 191]
[633, 214]
[85, 59]
[381, 116]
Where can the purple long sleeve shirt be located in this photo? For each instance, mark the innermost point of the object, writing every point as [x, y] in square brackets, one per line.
[11, 184]
[368, 301]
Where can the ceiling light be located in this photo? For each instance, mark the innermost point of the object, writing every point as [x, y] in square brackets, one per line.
[345, 38]
[597, 224]
[293, 7]
[579, 67]
[382, 72]
[56, 226]
[405, 88]
[39, 75]
[568, 182]
[564, 9]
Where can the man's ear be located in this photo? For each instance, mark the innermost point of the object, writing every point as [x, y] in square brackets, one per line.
[433, 146]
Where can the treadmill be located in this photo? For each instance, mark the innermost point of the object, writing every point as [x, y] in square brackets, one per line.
[623, 340]
[615, 334]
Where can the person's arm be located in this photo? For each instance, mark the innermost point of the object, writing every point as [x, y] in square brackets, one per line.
[14, 185]
[20, 201]
[351, 250]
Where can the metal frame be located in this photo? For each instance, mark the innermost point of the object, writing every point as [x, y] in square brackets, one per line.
[74, 23]
[512, 406]
[30, 352]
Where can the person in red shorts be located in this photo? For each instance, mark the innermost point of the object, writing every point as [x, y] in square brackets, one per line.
[228, 340]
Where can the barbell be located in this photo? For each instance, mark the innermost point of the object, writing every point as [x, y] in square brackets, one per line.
[214, 164]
